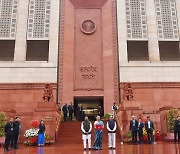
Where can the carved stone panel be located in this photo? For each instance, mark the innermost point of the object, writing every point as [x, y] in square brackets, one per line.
[88, 49]
[136, 19]
[39, 19]
[8, 18]
[166, 16]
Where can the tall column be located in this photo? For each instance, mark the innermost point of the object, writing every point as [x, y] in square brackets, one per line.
[154, 54]
[54, 31]
[20, 45]
[122, 31]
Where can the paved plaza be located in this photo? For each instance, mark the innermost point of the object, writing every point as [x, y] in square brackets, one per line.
[159, 148]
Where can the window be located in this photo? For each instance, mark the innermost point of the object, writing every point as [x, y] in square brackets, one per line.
[137, 50]
[169, 50]
[37, 50]
[7, 50]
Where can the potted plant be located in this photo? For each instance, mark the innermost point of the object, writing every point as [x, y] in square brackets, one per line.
[171, 117]
[3, 121]
[106, 116]
[128, 139]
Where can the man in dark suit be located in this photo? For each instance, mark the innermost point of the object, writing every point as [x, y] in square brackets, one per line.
[140, 131]
[149, 126]
[71, 111]
[100, 111]
[77, 111]
[177, 129]
[133, 129]
[65, 111]
[81, 113]
[8, 134]
[16, 132]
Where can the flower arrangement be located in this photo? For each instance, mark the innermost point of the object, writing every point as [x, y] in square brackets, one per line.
[32, 132]
[34, 124]
[32, 135]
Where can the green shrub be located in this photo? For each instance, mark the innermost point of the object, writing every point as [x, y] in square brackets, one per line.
[47, 137]
[3, 122]
[129, 135]
[171, 117]
[106, 116]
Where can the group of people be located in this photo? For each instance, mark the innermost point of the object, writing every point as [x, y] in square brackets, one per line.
[68, 111]
[86, 128]
[13, 130]
[12, 133]
[136, 128]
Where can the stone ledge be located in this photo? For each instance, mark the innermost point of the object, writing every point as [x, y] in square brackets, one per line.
[12, 86]
[138, 85]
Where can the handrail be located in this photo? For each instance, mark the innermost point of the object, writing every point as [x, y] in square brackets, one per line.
[58, 124]
[119, 126]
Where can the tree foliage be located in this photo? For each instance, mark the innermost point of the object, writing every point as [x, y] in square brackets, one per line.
[3, 120]
[171, 117]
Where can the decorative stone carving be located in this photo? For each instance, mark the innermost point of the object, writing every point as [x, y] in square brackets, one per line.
[39, 19]
[21, 86]
[48, 93]
[166, 16]
[115, 51]
[127, 91]
[139, 85]
[88, 60]
[136, 19]
[8, 18]
[88, 27]
[87, 52]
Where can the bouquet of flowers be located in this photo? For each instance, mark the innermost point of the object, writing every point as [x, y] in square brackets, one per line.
[34, 124]
[32, 133]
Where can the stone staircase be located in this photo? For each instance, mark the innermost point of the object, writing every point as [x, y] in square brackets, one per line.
[70, 133]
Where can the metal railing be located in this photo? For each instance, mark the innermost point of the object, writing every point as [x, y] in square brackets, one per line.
[57, 126]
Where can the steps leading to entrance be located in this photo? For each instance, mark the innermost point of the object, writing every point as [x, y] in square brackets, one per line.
[70, 132]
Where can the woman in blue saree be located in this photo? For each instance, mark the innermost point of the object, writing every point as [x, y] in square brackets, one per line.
[98, 125]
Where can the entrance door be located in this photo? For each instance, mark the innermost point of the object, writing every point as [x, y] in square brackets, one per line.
[90, 105]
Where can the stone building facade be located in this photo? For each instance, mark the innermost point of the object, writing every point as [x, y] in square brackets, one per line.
[101, 51]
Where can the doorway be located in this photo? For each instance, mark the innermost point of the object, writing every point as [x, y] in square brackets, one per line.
[90, 105]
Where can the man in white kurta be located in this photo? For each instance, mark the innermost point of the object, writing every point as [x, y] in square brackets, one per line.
[86, 128]
[111, 127]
